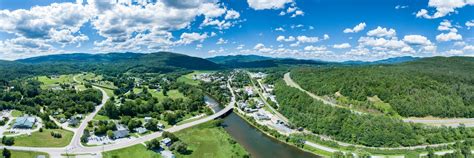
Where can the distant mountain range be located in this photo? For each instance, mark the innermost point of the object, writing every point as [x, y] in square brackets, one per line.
[256, 61]
[159, 62]
[243, 61]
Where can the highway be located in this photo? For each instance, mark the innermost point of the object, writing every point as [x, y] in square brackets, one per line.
[76, 148]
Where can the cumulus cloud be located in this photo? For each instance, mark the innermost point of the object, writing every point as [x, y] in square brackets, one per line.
[469, 24]
[280, 29]
[284, 39]
[262, 49]
[315, 48]
[46, 22]
[268, 4]
[307, 39]
[451, 36]
[342, 46]
[325, 37]
[443, 8]
[382, 32]
[188, 38]
[416, 40]
[356, 28]
[221, 41]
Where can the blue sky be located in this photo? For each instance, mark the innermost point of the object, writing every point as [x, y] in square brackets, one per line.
[334, 30]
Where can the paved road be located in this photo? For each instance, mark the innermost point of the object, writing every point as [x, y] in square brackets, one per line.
[451, 122]
[75, 147]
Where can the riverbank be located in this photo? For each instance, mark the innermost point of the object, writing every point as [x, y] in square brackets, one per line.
[307, 151]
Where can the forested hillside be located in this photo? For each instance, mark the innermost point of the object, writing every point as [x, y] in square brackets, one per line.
[370, 130]
[111, 63]
[439, 86]
[255, 61]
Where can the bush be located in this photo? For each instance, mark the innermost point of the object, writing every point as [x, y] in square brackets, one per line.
[8, 140]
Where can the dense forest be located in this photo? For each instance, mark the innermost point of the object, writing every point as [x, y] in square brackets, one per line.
[364, 129]
[439, 86]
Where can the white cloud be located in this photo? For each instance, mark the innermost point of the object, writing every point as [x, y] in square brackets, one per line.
[416, 40]
[232, 14]
[284, 39]
[188, 38]
[445, 25]
[240, 47]
[469, 24]
[469, 48]
[443, 8]
[356, 28]
[445, 37]
[297, 13]
[198, 46]
[268, 4]
[221, 41]
[307, 39]
[315, 48]
[280, 29]
[262, 49]
[382, 32]
[47, 22]
[325, 37]
[401, 6]
[342, 46]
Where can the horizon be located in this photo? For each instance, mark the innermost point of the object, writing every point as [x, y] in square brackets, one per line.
[316, 30]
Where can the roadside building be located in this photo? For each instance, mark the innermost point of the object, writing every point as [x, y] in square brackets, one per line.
[147, 119]
[73, 121]
[160, 126]
[26, 122]
[166, 142]
[140, 130]
[121, 132]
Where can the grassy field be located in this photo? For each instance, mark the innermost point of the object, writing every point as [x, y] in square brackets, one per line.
[44, 139]
[208, 141]
[173, 94]
[188, 78]
[53, 82]
[138, 151]
[26, 154]
[16, 113]
[101, 117]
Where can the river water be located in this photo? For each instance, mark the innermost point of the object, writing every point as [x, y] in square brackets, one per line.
[254, 141]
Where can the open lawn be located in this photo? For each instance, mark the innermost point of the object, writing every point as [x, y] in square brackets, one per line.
[16, 113]
[138, 151]
[173, 94]
[207, 140]
[188, 78]
[26, 154]
[44, 139]
[101, 117]
[53, 82]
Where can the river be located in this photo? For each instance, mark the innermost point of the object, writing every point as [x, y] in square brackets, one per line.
[258, 144]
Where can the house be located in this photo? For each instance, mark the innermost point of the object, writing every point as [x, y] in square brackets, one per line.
[140, 130]
[24, 122]
[249, 90]
[166, 142]
[147, 119]
[160, 126]
[121, 132]
[167, 154]
[73, 121]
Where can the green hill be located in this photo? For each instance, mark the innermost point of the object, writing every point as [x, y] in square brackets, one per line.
[111, 63]
[438, 86]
